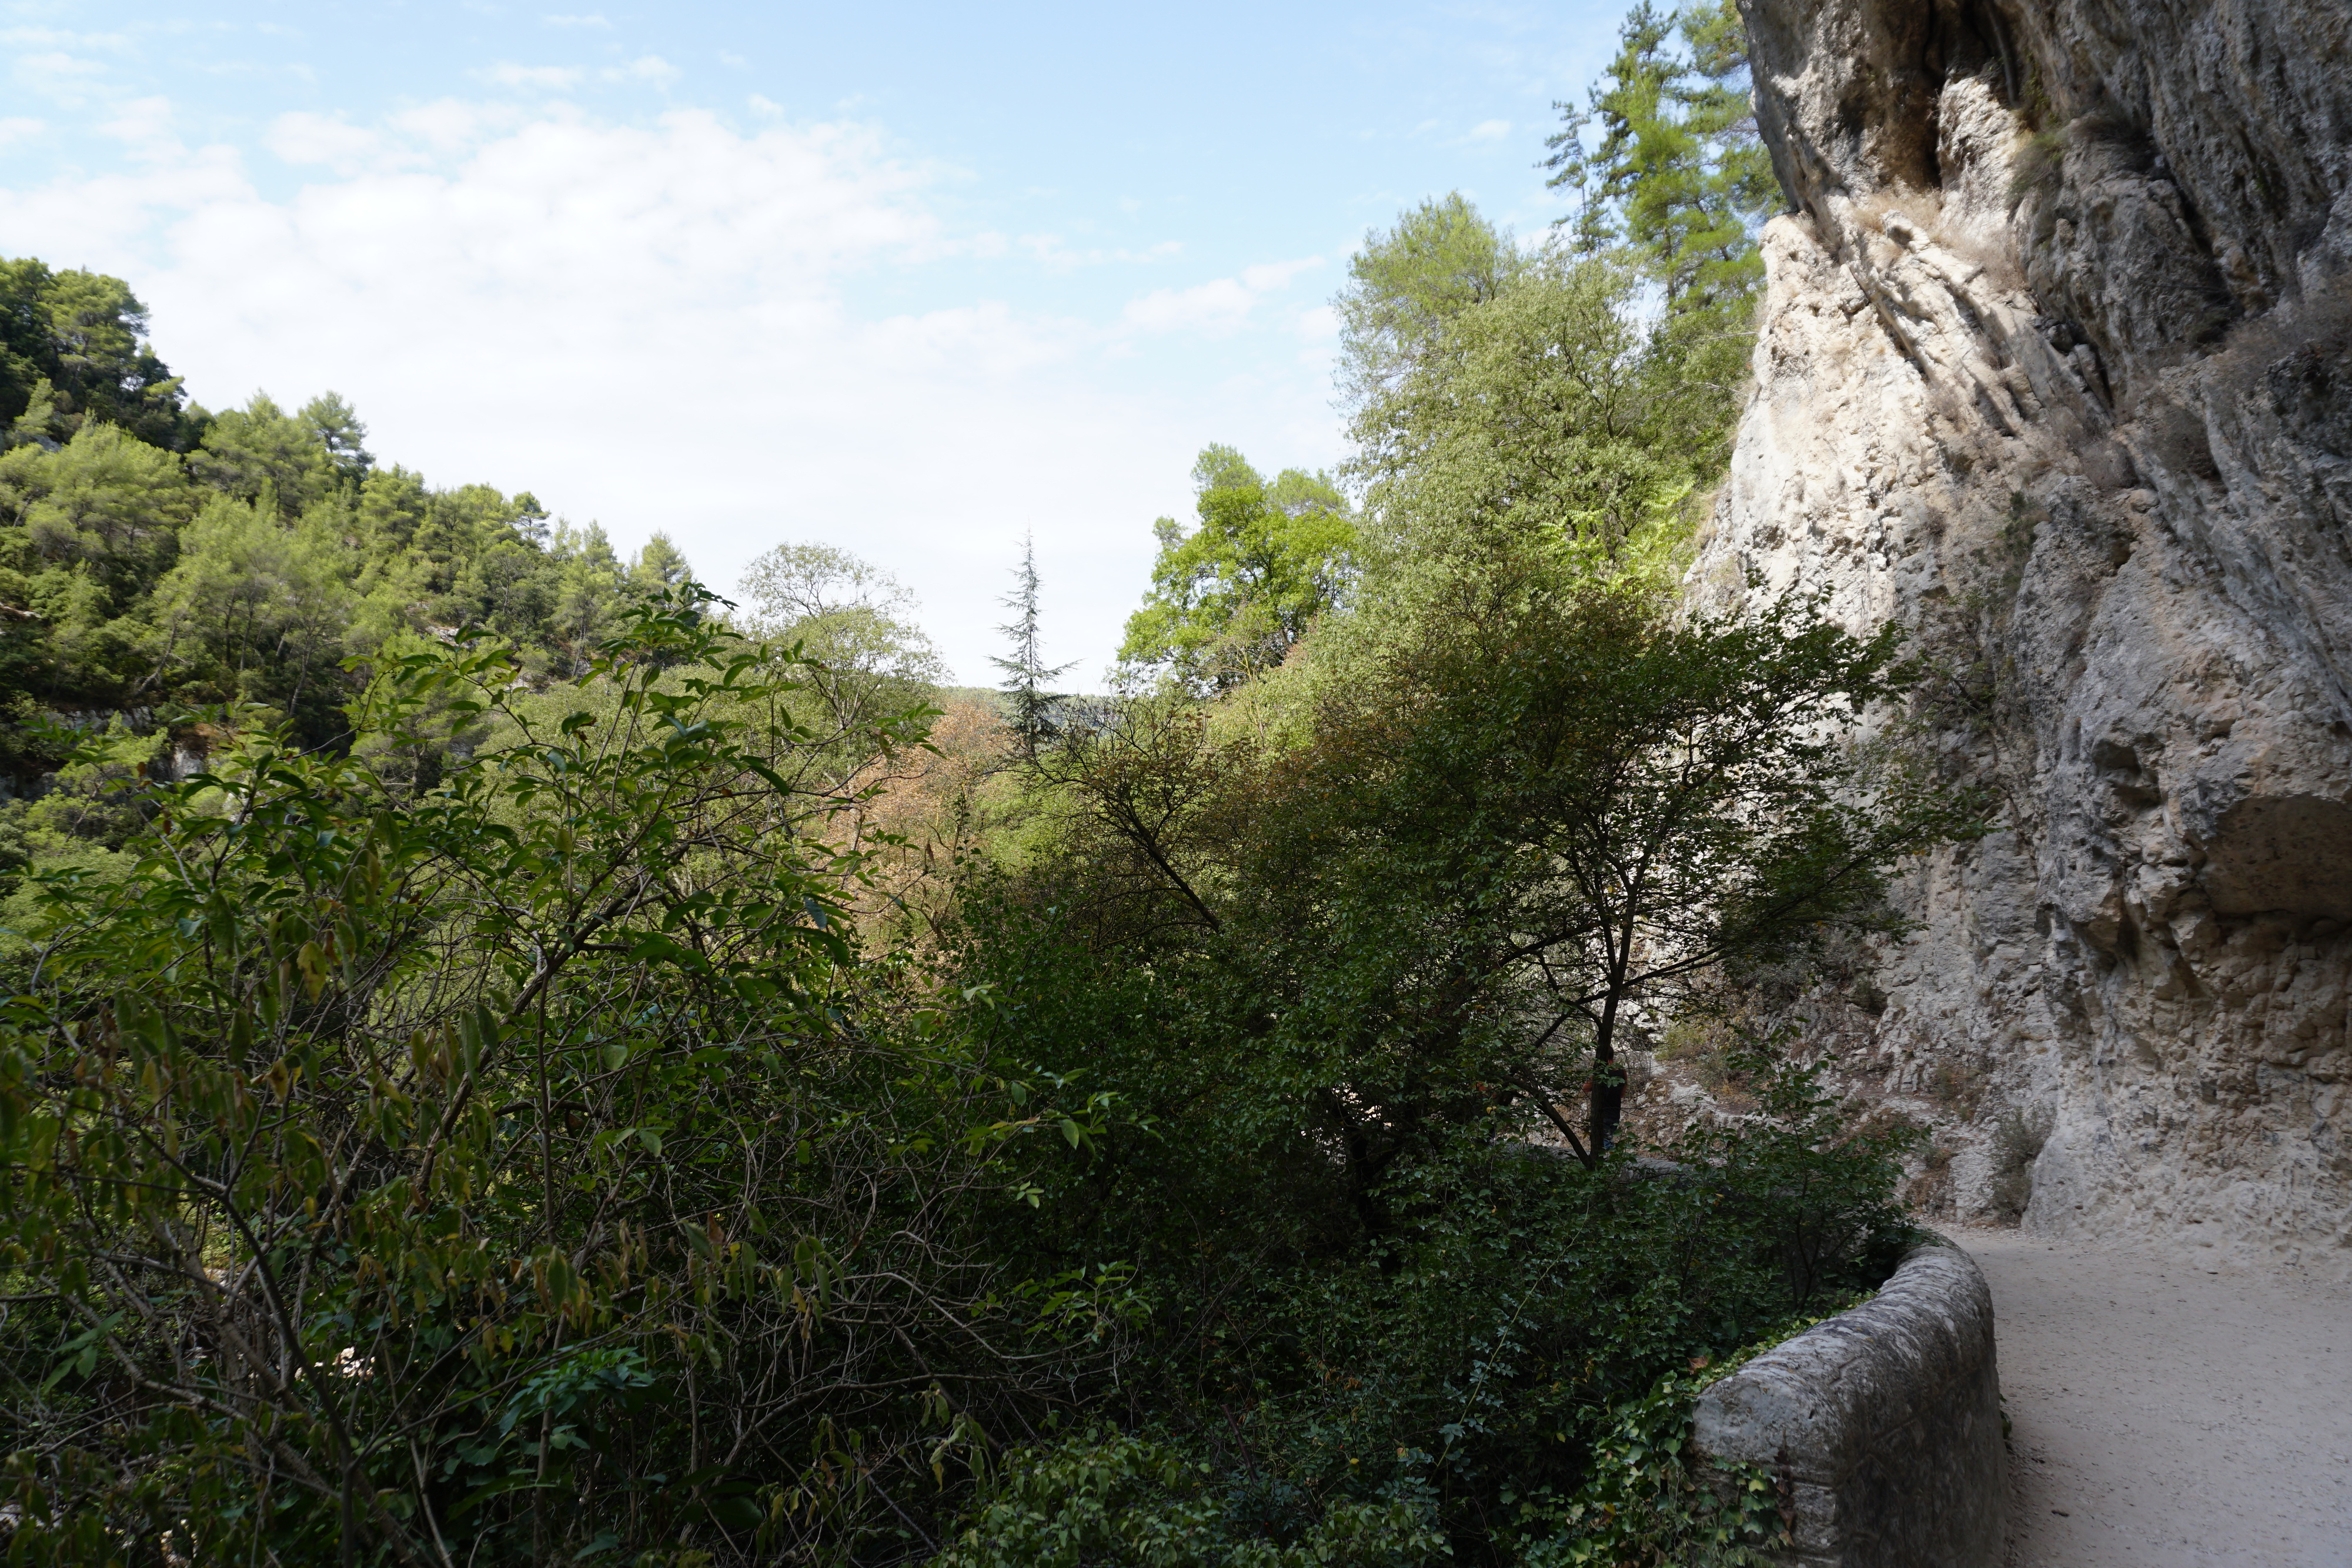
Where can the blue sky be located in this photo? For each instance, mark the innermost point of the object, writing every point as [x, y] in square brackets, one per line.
[911, 280]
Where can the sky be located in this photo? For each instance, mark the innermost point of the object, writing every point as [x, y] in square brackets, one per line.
[917, 281]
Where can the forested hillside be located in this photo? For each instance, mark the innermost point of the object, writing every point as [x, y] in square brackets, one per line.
[156, 558]
[599, 1077]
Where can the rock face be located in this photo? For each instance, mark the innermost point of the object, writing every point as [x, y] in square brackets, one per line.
[2056, 369]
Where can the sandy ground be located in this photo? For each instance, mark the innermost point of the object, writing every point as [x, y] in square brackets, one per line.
[2162, 1415]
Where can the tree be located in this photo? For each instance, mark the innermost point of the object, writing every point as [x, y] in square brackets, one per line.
[42, 423]
[262, 449]
[587, 598]
[1550, 803]
[258, 611]
[339, 430]
[1034, 710]
[103, 472]
[1234, 595]
[82, 334]
[1586, 801]
[1544, 417]
[104, 501]
[660, 565]
[854, 623]
[1408, 284]
[1679, 176]
[1541, 405]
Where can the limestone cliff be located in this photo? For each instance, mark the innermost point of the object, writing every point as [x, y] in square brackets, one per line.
[2056, 369]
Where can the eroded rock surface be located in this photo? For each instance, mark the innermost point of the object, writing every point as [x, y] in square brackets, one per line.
[2056, 369]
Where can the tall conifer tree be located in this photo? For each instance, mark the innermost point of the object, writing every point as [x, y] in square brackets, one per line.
[1026, 673]
[1678, 176]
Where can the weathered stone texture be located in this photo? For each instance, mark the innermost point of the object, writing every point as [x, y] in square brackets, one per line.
[2056, 369]
[1883, 1424]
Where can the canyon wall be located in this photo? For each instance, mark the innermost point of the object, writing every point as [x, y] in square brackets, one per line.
[2056, 370]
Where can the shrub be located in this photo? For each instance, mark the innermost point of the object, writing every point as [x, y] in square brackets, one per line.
[2017, 1142]
[516, 1168]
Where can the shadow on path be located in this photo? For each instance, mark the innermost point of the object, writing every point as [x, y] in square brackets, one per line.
[2162, 1416]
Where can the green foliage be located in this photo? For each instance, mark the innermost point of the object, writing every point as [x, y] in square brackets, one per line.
[1673, 192]
[256, 611]
[1645, 1501]
[854, 621]
[1679, 176]
[1033, 710]
[1545, 805]
[1542, 417]
[1344, 978]
[153, 558]
[104, 503]
[261, 452]
[2038, 166]
[2017, 1142]
[71, 353]
[1408, 284]
[1110, 1501]
[513, 1167]
[1230, 598]
[1822, 1188]
[1460, 1337]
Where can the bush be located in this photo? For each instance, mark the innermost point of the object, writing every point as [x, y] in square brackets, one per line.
[518, 1168]
[1470, 1330]
[2017, 1142]
[1111, 1501]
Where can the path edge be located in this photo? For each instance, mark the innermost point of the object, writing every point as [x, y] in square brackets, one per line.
[1883, 1424]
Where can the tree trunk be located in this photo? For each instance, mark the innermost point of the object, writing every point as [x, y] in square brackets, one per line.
[1608, 1085]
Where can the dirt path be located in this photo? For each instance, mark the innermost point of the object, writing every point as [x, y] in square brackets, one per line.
[2164, 1417]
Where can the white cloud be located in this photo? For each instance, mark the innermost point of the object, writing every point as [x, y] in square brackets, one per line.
[1051, 251]
[109, 221]
[56, 39]
[305, 137]
[647, 68]
[55, 75]
[1216, 307]
[1267, 276]
[649, 325]
[143, 126]
[1490, 130]
[450, 126]
[16, 128]
[550, 78]
[591, 20]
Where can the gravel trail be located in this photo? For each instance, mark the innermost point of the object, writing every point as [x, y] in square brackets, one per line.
[2164, 1415]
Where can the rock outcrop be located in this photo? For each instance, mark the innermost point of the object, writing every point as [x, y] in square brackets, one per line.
[2056, 369]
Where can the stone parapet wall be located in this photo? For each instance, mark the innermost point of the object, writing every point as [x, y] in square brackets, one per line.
[1882, 1424]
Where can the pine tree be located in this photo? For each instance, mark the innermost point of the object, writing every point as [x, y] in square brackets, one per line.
[1679, 177]
[1026, 673]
